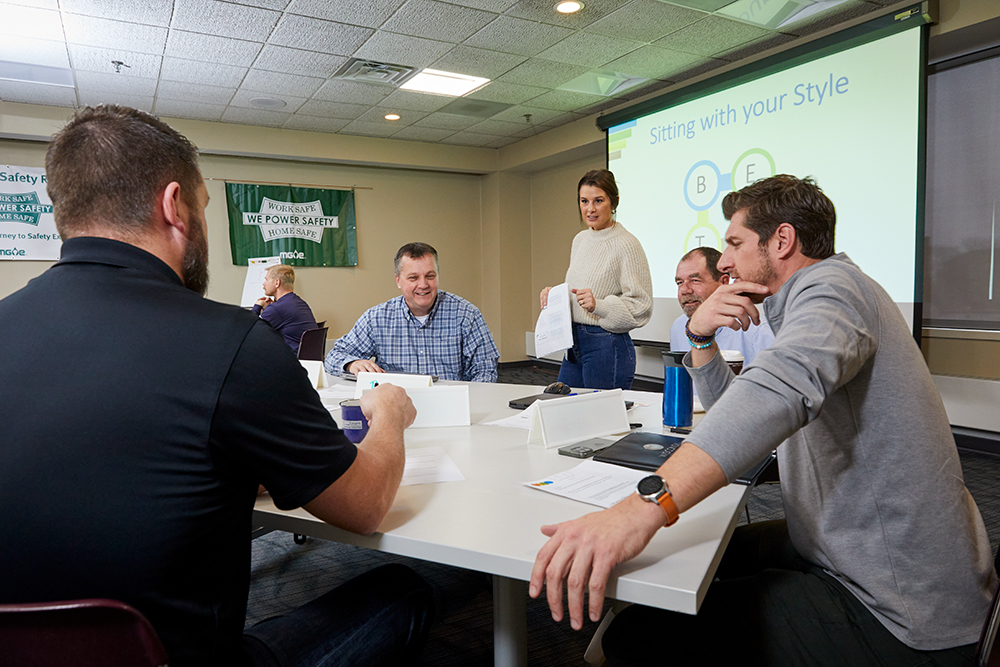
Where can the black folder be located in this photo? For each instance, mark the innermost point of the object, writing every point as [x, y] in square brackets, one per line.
[648, 451]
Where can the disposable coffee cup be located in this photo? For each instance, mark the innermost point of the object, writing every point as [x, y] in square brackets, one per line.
[735, 360]
[352, 420]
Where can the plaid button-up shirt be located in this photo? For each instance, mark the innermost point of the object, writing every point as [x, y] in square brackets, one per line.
[454, 342]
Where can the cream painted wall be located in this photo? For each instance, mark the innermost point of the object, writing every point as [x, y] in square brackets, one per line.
[440, 208]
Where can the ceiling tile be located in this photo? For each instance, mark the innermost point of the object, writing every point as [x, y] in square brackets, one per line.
[315, 123]
[193, 92]
[30, 22]
[658, 19]
[503, 141]
[447, 121]
[487, 5]
[280, 84]
[383, 129]
[566, 100]
[469, 139]
[704, 5]
[148, 13]
[212, 49]
[711, 35]
[277, 5]
[351, 92]
[95, 98]
[830, 17]
[95, 59]
[538, 116]
[40, 4]
[302, 32]
[86, 82]
[418, 133]
[36, 93]
[477, 62]
[295, 61]
[34, 51]
[437, 20]
[332, 109]
[544, 11]
[368, 13]
[405, 99]
[386, 47]
[242, 99]
[514, 35]
[502, 128]
[224, 19]
[508, 93]
[589, 50]
[643, 90]
[255, 117]
[110, 34]
[685, 73]
[752, 48]
[377, 115]
[193, 71]
[562, 119]
[543, 73]
[185, 109]
[651, 62]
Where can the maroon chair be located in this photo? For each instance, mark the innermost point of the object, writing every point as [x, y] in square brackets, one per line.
[83, 633]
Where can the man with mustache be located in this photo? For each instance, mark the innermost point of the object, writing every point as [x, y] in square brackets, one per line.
[698, 276]
[140, 418]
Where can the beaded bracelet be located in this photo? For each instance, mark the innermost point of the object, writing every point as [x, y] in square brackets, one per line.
[702, 346]
[696, 339]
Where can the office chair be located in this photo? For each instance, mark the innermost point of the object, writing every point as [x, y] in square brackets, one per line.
[83, 633]
[312, 345]
[320, 325]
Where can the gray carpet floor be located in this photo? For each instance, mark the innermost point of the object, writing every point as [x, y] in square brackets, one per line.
[285, 575]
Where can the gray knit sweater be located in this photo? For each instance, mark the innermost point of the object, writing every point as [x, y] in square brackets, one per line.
[611, 263]
[871, 480]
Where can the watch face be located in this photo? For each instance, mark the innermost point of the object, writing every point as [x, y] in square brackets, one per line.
[649, 485]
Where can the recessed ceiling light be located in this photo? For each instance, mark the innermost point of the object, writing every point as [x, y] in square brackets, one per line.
[444, 83]
[569, 7]
[267, 102]
[392, 116]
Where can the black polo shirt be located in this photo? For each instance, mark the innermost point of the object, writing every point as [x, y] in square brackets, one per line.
[137, 420]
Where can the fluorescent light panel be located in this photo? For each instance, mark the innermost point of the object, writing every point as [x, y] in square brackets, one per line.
[437, 82]
[50, 76]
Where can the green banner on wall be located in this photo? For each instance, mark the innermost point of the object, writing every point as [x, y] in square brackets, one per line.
[303, 226]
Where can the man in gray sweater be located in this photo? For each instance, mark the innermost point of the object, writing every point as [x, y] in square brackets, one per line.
[883, 557]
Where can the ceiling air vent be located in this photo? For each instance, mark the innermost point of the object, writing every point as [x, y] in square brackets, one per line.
[369, 71]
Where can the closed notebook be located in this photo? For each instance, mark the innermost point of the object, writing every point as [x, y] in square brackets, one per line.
[648, 451]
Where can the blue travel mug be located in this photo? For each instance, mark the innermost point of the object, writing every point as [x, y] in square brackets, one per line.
[352, 420]
[678, 394]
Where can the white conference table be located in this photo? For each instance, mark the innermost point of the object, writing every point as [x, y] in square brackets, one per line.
[490, 521]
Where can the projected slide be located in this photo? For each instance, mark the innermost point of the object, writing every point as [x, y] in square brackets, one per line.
[849, 119]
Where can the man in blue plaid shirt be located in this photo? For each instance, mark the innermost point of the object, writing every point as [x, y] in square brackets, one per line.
[424, 331]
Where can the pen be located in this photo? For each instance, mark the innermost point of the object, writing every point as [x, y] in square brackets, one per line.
[636, 425]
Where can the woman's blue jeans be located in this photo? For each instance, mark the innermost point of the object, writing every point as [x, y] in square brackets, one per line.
[598, 359]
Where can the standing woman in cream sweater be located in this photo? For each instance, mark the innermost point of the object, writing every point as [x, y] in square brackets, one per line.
[612, 292]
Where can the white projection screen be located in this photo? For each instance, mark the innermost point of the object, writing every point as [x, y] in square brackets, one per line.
[851, 115]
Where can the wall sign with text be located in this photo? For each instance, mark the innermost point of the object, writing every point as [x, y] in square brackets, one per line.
[302, 226]
[27, 227]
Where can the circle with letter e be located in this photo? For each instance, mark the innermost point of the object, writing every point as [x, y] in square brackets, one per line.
[753, 165]
[701, 185]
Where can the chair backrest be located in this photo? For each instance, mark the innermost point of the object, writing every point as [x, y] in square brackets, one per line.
[988, 650]
[320, 325]
[312, 345]
[83, 633]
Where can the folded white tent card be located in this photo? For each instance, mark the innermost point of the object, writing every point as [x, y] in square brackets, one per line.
[561, 421]
[368, 380]
[446, 405]
[315, 370]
